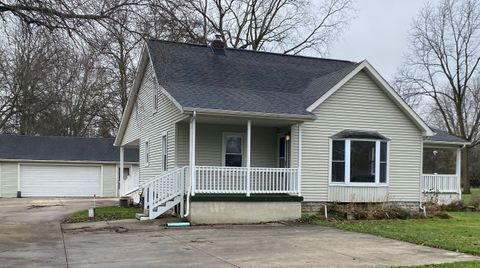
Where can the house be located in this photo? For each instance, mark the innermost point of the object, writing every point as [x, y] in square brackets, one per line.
[32, 166]
[233, 135]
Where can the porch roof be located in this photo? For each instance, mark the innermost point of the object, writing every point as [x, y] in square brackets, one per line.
[443, 137]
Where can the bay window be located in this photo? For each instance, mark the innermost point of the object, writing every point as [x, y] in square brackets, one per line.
[359, 161]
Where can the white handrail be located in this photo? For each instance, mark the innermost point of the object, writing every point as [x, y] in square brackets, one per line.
[163, 188]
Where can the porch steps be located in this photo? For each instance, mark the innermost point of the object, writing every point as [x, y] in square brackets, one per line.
[160, 209]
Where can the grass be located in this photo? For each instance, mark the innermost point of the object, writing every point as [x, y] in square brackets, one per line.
[460, 233]
[466, 198]
[103, 214]
[462, 264]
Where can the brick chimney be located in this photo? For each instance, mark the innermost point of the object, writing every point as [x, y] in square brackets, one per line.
[218, 42]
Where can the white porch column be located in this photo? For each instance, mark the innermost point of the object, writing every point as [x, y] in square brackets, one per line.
[299, 160]
[249, 136]
[193, 120]
[121, 178]
[459, 171]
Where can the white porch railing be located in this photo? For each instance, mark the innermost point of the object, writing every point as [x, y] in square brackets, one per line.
[440, 183]
[233, 180]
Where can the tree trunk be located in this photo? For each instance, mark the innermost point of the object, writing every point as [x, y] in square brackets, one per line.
[465, 173]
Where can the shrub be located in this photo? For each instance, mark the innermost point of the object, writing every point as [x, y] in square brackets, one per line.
[475, 182]
[475, 202]
[361, 211]
[443, 215]
[456, 205]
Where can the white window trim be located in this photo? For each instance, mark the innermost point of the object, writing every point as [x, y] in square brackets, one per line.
[347, 181]
[165, 151]
[224, 149]
[146, 152]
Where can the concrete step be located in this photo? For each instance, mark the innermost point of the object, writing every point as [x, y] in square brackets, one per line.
[141, 216]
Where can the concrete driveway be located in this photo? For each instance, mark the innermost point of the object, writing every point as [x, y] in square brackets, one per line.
[30, 231]
[33, 237]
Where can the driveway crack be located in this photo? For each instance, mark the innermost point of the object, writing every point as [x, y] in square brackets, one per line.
[64, 247]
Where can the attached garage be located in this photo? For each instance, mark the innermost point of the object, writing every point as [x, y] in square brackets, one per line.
[60, 180]
[36, 166]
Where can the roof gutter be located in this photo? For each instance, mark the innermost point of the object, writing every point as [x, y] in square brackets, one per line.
[260, 115]
[459, 143]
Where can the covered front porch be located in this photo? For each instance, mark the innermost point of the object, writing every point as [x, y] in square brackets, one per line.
[240, 155]
[441, 174]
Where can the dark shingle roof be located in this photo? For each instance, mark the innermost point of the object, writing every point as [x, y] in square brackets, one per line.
[444, 136]
[62, 148]
[243, 80]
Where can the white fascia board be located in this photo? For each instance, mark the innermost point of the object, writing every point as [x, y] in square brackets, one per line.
[365, 65]
[452, 143]
[66, 161]
[205, 111]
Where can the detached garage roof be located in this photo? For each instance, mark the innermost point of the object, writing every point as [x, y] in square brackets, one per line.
[62, 149]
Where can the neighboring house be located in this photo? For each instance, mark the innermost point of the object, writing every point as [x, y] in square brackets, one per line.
[62, 166]
[246, 136]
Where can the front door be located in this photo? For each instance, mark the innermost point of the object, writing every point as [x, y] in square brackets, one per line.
[284, 150]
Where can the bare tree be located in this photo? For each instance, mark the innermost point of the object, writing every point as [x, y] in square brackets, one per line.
[288, 26]
[60, 14]
[50, 87]
[442, 70]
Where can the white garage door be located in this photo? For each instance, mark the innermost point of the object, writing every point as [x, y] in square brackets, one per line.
[59, 180]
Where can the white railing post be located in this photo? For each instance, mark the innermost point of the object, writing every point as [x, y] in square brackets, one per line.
[121, 179]
[459, 172]
[192, 152]
[249, 136]
[182, 191]
[299, 160]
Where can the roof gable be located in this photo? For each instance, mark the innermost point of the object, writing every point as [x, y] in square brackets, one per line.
[383, 85]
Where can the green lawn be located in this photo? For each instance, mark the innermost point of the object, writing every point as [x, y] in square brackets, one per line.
[103, 214]
[467, 197]
[463, 264]
[460, 233]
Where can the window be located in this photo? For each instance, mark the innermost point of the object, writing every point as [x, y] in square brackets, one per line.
[356, 161]
[147, 153]
[164, 152]
[155, 97]
[233, 148]
[126, 173]
[383, 162]
[362, 161]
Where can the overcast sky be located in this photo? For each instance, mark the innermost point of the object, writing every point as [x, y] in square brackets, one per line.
[378, 33]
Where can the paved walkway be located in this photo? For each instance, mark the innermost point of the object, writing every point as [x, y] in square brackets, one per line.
[32, 237]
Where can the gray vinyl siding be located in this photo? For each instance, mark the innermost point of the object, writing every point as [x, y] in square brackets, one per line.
[361, 105]
[109, 180]
[152, 124]
[8, 179]
[210, 140]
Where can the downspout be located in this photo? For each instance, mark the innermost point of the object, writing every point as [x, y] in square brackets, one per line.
[187, 212]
